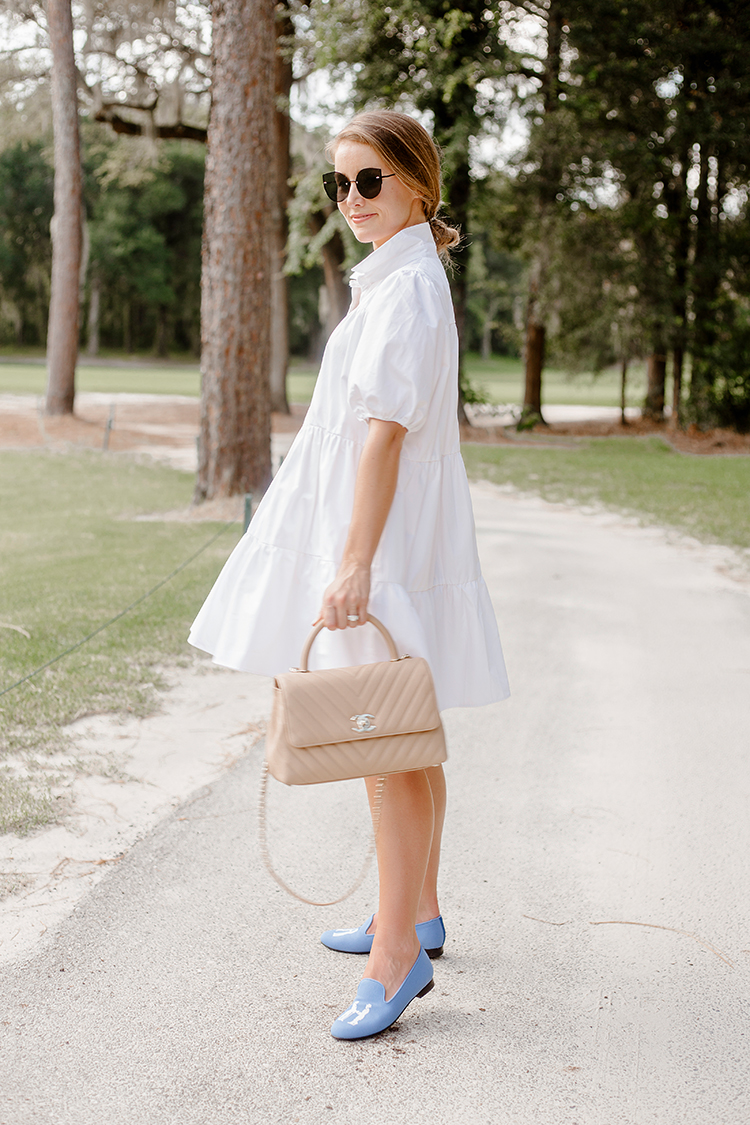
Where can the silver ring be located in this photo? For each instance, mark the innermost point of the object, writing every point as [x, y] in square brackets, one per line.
[352, 617]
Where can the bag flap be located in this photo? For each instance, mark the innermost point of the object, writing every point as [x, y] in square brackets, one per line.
[364, 701]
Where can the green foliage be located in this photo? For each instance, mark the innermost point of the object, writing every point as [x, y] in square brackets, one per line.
[25, 247]
[725, 372]
[661, 94]
[437, 57]
[496, 277]
[145, 228]
[144, 215]
[625, 213]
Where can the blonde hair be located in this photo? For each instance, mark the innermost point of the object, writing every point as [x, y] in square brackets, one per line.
[408, 148]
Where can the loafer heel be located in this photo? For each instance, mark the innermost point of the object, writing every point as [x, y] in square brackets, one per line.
[431, 937]
[427, 988]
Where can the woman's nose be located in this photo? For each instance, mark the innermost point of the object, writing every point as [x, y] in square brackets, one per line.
[353, 196]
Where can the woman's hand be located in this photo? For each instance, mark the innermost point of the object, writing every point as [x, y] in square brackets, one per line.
[346, 597]
[377, 477]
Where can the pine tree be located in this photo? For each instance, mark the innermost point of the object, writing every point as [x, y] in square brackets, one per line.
[234, 448]
[62, 335]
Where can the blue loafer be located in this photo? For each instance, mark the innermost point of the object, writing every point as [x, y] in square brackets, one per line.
[431, 937]
[371, 1013]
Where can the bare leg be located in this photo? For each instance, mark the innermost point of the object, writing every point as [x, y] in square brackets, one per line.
[428, 902]
[404, 848]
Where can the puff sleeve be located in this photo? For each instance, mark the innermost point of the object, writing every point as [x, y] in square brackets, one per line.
[394, 369]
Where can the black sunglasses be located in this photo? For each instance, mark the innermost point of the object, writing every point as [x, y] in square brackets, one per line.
[369, 182]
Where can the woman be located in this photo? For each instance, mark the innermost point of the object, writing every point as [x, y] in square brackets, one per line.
[371, 511]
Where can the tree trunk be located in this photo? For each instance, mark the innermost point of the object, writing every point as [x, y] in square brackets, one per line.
[16, 318]
[459, 194]
[623, 391]
[489, 323]
[161, 336]
[549, 179]
[338, 292]
[279, 280]
[533, 354]
[487, 338]
[534, 365]
[279, 326]
[656, 373]
[705, 290]
[451, 137]
[680, 206]
[127, 328]
[62, 331]
[678, 357]
[235, 435]
[92, 346]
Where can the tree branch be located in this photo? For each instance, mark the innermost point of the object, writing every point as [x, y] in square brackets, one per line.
[179, 131]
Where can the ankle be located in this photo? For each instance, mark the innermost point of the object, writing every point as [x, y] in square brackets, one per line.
[427, 911]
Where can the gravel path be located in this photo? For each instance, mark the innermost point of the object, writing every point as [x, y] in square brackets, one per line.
[594, 891]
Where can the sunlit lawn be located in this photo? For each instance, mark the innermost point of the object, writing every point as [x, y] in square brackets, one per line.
[73, 553]
[31, 378]
[500, 378]
[707, 497]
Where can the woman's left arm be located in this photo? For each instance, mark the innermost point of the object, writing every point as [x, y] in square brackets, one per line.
[374, 490]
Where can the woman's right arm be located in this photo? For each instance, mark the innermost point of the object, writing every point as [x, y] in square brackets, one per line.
[375, 487]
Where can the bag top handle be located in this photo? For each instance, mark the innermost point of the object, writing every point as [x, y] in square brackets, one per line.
[372, 620]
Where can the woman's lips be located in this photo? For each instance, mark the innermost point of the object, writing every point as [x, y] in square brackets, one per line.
[360, 218]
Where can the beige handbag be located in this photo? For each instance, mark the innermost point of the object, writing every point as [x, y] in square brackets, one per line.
[368, 720]
[362, 721]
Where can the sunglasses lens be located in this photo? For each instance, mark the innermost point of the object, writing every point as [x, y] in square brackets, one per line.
[369, 182]
[342, 186]
[332, 188]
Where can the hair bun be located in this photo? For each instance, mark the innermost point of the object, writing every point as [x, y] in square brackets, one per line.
[445, 237]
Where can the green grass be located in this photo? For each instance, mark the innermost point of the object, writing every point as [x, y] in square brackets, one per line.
[706, 497]
[73, 556]
[136, 378]
[500, 378]
[31, 378]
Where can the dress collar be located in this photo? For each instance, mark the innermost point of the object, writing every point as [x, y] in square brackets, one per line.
[408, 245]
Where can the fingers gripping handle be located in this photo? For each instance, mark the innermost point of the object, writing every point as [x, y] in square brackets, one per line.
[372, 620]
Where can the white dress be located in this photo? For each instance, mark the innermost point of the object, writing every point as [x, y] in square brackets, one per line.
[394, 357]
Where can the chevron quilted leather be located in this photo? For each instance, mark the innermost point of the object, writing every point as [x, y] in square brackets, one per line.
[366, 720]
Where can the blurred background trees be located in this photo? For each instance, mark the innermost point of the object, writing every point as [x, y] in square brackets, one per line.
[596, 159]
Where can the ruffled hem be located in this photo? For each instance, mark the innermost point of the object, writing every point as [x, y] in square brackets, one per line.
[260, 611]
